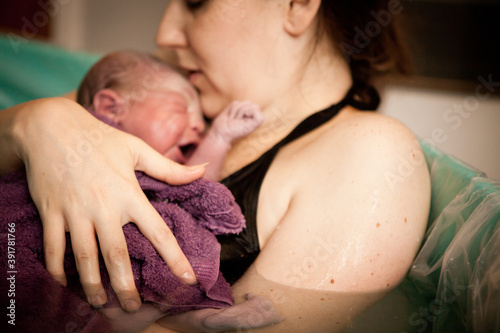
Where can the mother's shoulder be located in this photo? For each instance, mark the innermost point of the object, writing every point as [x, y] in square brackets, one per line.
[357, 127]
[369, 124]
[362, 136]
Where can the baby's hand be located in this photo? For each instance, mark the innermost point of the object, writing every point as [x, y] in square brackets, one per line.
[237, 120]
[255, 312]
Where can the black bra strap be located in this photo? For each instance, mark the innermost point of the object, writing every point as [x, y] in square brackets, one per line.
[363, 98]
[239, 251]
[352, 98]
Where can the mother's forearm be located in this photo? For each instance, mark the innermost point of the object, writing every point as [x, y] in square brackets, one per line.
[23, 125]
[301, 309]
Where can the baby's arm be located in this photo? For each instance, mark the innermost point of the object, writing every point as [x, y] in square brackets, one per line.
[255, 312]
[237, 120]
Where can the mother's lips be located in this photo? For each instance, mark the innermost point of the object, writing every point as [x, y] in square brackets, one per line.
[193, 75]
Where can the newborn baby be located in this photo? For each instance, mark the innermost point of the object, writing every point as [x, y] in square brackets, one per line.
[141, 95]
[144, 96]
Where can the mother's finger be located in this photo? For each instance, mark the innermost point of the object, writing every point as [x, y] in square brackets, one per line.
[157, 166]
[87, 263]
[54, 245]
[154, 228]
[117, 260]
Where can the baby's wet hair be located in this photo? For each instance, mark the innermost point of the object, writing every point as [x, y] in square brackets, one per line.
[129, 73]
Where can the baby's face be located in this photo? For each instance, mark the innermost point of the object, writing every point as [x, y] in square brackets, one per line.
[168, 118]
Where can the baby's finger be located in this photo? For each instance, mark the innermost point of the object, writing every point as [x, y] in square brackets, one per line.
[54, 246]
[238, 107]
[86, 256]
[154, 228]
[115, 253]
[257, 115]
[249, 110]
[242, 109]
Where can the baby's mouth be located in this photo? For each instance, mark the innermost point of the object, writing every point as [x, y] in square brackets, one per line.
[188, 150]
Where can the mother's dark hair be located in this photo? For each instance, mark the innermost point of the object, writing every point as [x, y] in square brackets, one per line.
[352, 25]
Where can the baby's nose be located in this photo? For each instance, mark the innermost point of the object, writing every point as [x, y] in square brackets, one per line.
[198, 126]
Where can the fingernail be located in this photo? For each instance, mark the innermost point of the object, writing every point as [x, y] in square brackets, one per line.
[189, 278]
[62, 280]
[97, 301]
[94, 305]
[197, 167]
[130, 305]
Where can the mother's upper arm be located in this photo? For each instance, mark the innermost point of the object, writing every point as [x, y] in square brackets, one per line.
[355, 221]
[358, 210]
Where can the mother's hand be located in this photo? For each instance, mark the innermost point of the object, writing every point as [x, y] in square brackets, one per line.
[81, 178]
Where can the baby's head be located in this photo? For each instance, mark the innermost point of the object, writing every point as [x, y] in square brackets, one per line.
[145, 97]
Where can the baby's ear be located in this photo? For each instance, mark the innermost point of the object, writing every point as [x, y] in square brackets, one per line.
[109, 104]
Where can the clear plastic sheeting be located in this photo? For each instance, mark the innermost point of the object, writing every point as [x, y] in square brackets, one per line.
[454, 282]
[459, 262]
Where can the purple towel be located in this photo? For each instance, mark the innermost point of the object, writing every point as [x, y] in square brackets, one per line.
[194, 212]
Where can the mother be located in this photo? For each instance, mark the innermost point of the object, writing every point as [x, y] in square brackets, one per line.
[330, 229]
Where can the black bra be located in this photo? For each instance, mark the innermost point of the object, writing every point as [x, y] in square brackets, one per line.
[239, 251]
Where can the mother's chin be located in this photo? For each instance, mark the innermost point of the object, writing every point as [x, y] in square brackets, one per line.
[213, 102]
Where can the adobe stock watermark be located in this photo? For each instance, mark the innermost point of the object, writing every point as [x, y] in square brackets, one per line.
[276, 122]
[230, 10]
[11, 273]
[84, 311]
[75, 156]
[455, 117]
[153, 75]
[372, 29]
[305, 270]
[31, 26]
[421, 318]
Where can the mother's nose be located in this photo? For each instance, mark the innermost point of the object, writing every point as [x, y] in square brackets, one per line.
[172, 26]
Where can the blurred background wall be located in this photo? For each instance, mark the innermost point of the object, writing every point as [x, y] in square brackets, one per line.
[87, 25]
[106, 25]
[453, 44]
